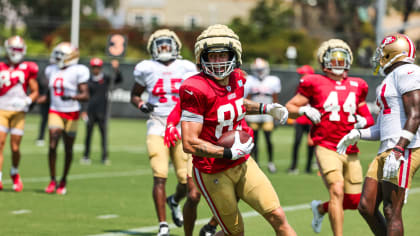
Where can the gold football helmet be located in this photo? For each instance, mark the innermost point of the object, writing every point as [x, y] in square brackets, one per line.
[336, 55]
[260, 68]
[164, 45]
[394, 48]
[15, 49]
[218, 38]
[65, 54]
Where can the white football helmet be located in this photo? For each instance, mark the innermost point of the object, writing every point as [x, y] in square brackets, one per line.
[164, 45]
[218, 38]
[64, 54]
[15, 49]
[260, 68]
[336, 55]
[394, 48]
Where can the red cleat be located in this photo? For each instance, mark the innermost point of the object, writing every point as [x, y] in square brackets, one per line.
[62, 188]
[51, 187]
[17, 183]
[1, 185]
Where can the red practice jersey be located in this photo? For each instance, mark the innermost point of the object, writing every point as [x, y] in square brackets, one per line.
[219, 108]
[21, 73]
[337, 101]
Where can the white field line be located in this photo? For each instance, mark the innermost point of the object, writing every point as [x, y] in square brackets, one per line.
[205, 220]
[88, 176]
[23, 211]
[105, 217]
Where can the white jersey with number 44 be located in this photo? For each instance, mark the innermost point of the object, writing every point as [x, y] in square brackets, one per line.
[391, 119]
[64, 82]
[162, 82]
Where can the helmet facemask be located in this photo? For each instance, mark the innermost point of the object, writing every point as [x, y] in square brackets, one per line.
[164, 49]
[64, 54]
[15, 49]
[337, 60]
[218, 69]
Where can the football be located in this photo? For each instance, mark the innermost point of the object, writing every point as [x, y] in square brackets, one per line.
[227, 138]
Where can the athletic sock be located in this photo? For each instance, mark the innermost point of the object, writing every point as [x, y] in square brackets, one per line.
[13, 171]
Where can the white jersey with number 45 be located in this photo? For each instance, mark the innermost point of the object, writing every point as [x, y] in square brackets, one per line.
[392, 116]
[162, 82]
[64, 82]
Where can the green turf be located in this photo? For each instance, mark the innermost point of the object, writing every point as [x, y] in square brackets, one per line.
[124, 189]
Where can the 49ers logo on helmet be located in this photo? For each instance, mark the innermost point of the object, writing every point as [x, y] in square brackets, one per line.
[389, 40]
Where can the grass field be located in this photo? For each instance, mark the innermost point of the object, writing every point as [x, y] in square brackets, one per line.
[117, 199]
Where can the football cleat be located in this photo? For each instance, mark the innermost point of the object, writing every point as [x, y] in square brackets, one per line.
[17, 183]
[163, 229]
[1, 185]
[271, 167]
[51, 187]
[85, 161]
[317, 220]
[176, 211]
[61, 188]
[208, 230]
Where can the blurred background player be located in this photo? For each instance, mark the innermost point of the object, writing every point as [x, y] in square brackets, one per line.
[16, 76]
[302, 125]
[212, 103]
[161, 77]
[262, 87]
[67, 83]
[389, 176]
[97, 107]
[332, 101]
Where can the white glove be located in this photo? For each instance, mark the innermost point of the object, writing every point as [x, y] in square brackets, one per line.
[361, 122]
[312, 113]
[21, 104]
[241, 149]
[278, 111]
[392, 165]
[348, 139]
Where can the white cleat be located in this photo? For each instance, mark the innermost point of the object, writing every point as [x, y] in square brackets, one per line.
[317, 220]
[163, 229]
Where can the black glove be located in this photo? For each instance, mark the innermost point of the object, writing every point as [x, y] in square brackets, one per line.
[147, 107]
[65, 98]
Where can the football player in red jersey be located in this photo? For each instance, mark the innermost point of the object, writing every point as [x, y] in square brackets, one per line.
[212, 103]
[335, 103]
[16, 76]
[390, 173]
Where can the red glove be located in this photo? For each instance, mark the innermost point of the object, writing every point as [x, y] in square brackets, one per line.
[171, 135]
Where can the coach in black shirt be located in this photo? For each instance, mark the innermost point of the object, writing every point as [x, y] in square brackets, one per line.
[97, 107]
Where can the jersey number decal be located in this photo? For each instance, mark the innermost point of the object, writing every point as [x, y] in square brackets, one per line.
[331, 105]
[58, 87]
[384, 105]
[230, 109]
[6, 76]
[159, 90]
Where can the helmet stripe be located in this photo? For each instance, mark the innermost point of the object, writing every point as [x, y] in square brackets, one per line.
[412, 50]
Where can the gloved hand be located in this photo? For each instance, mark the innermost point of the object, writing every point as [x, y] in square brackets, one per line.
[278, 111]
[146, 107]
[361, 122]
[241, 149]
[312, 113]
[65, 98]
[171, 135]
[392, 164]
[21, 104]
[348, 139]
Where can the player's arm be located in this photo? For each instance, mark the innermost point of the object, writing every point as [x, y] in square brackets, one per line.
[34, 88]
[83, 93]
[411, 101]
[276, 110]
[171, 132]
[136, 100]
[193, 144]
[294, 104]
[363, 116]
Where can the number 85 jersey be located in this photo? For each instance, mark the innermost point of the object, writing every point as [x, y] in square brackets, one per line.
[162, 82]
[337, 101]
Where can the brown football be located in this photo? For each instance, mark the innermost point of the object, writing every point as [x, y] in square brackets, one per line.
[227, 138]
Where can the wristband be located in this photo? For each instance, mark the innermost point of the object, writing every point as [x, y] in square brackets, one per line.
[407, 135]
[227, 153]
[399, 149]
